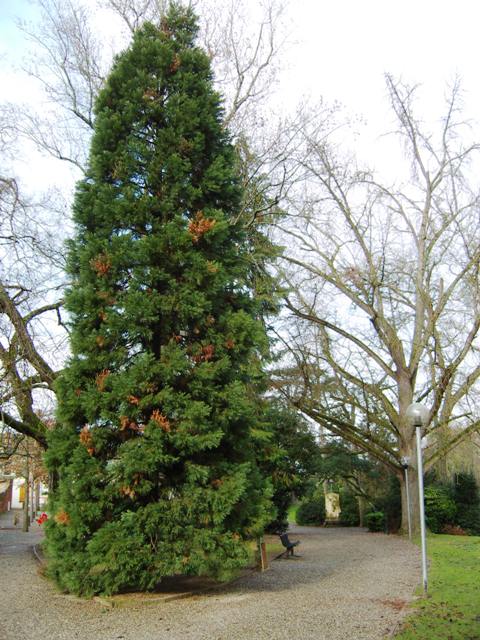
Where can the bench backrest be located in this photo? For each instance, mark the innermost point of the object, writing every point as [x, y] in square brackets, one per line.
[284, 540]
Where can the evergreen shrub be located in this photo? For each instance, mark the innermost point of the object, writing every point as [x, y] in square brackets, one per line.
[375, 521]
[349, 515]
[468, 518]
[290, 458]
[440, 508]
[465, 489]
[311, 512]
[467, 499]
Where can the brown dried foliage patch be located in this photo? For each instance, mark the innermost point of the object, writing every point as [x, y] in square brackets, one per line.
[87, 440]
[161, 420]
[175, 64]
[200, 225]
[206, 354]
[62, 517]
[101, 264]
[101, 378]
[127, 423]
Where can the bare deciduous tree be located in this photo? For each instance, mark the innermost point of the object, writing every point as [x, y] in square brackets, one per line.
[384, 291]
[68, 62]
[31, 265]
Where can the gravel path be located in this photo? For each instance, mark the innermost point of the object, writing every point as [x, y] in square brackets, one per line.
[348, 584]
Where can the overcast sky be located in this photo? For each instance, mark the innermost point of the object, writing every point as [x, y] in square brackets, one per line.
[343, 47]
[348, 44]
[340, 50]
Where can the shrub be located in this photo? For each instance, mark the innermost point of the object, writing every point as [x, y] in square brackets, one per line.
[467, 499]
[468, 517]
[311, 512]
[375, 521]
[465, 489]
[440, 508]
[349, 505]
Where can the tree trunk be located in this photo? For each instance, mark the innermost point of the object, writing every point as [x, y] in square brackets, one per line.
[33, 494]
[413, 499]
[26, 514]
[361, 511]
[442, 436]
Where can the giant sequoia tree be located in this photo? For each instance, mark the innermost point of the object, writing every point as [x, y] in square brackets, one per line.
[157, 404]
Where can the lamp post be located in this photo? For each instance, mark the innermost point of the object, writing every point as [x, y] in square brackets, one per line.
[405, 465]
[417, 414]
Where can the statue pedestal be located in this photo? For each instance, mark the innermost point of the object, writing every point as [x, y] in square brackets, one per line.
[332, 522]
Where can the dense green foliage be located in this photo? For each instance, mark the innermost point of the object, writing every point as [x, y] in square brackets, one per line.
[467, 500]
[290, 457]
[453, 504]
[440, 507]
[311, 511]
[375, 521]
[465, 489]
[340, 462]
[452, 609]
[158, 405]
[349, 515]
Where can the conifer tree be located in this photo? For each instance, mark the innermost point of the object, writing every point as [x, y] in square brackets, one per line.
[155, 449]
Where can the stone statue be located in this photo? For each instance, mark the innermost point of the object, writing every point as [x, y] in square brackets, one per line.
[332, 507]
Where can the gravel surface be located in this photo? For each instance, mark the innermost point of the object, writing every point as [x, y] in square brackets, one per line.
[347, 584]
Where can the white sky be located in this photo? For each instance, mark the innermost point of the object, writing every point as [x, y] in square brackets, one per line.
[340, 50]
[348, 44]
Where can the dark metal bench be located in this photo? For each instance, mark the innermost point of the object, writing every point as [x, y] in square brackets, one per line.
[289, 546]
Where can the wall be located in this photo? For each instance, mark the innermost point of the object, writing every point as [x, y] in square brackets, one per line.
[5, 494]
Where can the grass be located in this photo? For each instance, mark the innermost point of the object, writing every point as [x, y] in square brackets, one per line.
[273, 547]
[452, 609]
[292, 513]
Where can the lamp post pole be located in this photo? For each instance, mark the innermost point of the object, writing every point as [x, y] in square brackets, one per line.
[405, 462]
[417, 414]
[418, 429]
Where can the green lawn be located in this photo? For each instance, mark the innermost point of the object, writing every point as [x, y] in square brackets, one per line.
[452, 609]
[292, 512]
